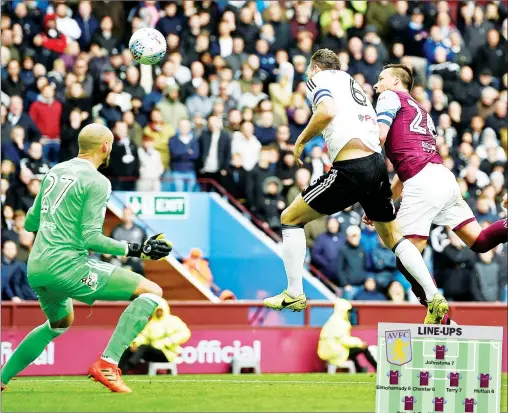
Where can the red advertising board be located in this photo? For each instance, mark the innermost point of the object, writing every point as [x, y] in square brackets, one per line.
[281, 350]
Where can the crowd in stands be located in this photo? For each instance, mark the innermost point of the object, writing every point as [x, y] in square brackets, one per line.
[228, 102]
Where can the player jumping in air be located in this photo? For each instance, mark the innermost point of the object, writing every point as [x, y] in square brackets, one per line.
[68, 215]
[347, 120]
[430, 193]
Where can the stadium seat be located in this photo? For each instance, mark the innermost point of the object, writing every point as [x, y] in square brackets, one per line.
[154, 367]
[240, 363]
[346, 365]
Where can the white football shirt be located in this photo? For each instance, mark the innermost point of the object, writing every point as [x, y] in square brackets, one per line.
[355, 118]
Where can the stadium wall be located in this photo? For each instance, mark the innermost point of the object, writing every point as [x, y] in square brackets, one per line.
[242, 258]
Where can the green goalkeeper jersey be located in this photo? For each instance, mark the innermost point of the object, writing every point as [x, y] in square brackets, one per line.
[68, 215]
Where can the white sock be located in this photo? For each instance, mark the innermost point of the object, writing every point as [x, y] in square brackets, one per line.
[294, 249]
[109, 360]
[412, 260]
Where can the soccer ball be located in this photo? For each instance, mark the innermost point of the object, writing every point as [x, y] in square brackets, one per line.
[147, 46]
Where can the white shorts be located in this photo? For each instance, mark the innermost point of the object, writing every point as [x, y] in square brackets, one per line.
[432, 197]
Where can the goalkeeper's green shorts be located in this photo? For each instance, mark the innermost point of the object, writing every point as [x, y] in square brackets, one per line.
[96, 280]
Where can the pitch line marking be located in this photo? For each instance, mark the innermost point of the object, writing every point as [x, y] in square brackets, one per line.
[236, 381]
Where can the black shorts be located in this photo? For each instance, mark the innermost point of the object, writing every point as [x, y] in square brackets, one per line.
[364, 180]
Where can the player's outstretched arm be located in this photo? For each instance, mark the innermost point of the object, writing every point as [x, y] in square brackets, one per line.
[156, 247]
[92, 221]
[396, 188]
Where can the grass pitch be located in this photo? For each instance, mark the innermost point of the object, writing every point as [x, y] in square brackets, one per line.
[201, 393]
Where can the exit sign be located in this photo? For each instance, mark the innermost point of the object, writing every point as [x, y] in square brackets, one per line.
[159, 206]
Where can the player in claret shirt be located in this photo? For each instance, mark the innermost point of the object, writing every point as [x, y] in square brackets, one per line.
[430, 191]
[484, 380]
[344, 115]
[424, 377]
[454, 379]
[394, 376]
[409, 402]
[439, 403]
[469, 405]
[440, 352]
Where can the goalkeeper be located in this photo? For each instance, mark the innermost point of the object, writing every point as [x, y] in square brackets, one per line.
[68, 215]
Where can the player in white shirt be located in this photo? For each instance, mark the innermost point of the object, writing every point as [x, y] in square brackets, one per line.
[347, 120]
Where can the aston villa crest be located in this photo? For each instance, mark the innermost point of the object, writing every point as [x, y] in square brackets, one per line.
[398, 347]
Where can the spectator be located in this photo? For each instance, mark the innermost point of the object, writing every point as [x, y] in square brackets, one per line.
[46, 114]
[214, 150]
[160, 341]
[69, 146]
[26, 241]
[172, 110]
[369, 291]
[396, 293]
[272, 203]
[488, 278]
[286, 170]
[238, 57]
[189, 88]
[497, 120]
[15, 285]
[68, 26]
[161, 132]
[247, 145]
[172, 22]
[281, 28]
[200, 102]
[128, 230]
[483, 212]
[105, 37]
[475, 33]
[50, 43]
[110, 110]
[150, 167]
[184, 151]
[336, 345]
[399, 22]
[372, 39]
[247, 29]
[346, 218]
[235, 180]
[87, 23]
[457, 274]
[34, 161]
[254, 97]
[15, 149]
[383, 264]
[302, 21]
[302, 181]
[124, 164]
[351, 265]
[460, 54]
[491, 56]
[327, 247]
[379, 14]
[199, 267]
[13, 85]
[17, 117]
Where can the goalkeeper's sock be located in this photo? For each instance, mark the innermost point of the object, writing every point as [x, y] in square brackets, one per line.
[294, 249]
[29, 349]
[131, 323]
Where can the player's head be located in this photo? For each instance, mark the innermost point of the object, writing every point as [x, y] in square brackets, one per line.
[395, 77]
[323, 59]
[96, 140]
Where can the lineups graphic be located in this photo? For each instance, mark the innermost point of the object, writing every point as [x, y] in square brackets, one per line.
[450, 369]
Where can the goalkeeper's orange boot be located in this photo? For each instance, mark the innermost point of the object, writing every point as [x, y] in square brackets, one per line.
[109, 375]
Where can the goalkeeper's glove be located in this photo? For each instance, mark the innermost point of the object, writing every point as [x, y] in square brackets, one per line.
[154, 248]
